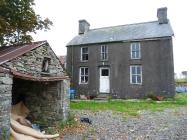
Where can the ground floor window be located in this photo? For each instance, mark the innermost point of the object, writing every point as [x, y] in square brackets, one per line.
[136, 74]
[83, 75]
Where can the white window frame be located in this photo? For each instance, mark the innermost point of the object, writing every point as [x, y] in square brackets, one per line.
[83, 54]
[84, 75]
[136, 50]
[104, 54]
[135, 74]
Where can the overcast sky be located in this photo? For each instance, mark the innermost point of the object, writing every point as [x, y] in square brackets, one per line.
[102, 13]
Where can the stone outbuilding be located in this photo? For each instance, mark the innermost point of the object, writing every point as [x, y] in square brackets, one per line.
[33, 74]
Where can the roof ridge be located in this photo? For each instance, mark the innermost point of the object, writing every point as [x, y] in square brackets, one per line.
[124, 25]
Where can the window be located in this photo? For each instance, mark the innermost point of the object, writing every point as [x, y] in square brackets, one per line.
[135, 51]
[136, 74]
[104, 72]
[45, 64]
[84, 54]
[104, 52]
[83, 75]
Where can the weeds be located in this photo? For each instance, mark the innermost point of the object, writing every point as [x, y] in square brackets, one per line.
[69, 122]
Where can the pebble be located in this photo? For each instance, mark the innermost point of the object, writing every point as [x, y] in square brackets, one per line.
[170, 124]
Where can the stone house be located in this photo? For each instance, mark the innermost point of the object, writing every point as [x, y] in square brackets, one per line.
[32, 73]
[126, 61]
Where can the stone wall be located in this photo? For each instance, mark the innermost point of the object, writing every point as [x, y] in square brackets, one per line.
[31, 62]
[65, 100]
[5, 104]
[48, 102]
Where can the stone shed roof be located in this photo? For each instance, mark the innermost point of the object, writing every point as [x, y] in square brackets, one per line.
[10, 52]
[138, 31]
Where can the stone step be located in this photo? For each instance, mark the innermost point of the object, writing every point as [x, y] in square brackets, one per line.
[102, 96]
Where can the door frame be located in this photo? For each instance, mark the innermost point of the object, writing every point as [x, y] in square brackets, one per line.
[100, 70]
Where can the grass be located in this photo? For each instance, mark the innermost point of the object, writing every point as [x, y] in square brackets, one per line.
[131, 107]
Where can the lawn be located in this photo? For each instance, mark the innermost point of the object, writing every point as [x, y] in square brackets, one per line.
[131, 107]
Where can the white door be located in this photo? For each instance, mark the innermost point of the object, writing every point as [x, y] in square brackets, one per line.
[104, 80]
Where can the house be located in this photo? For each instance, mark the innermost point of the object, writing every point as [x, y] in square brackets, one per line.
[127, 61]
[33, 74]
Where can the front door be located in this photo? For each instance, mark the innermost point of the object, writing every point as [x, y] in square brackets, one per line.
[104, 80]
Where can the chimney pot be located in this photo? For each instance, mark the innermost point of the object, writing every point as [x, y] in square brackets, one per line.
[84, 26]
[162, 15]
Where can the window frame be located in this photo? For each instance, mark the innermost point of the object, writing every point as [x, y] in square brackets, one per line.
[84, 75]
[136, 74]
[45, 64]
[137, 51]
[104, 54]
[84, 54]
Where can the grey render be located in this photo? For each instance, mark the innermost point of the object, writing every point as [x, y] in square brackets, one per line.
[156, 58]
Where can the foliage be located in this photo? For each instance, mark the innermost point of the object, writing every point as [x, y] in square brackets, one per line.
[51, 130]
[131, 107]
[69, 122]
[181, 99]
[181, 81]
[4, 134]
[17, 20]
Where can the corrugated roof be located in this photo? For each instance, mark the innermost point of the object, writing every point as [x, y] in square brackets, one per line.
[138, 31]
[37, 78]
[9, 52]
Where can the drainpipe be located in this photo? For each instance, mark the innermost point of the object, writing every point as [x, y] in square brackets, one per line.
[72, 64]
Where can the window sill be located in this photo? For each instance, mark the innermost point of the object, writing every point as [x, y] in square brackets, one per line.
[84, 61]
[136, 84]
[103, 60]
[83, 83]
[135, 59]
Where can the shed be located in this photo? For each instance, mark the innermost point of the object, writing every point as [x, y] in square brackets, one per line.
[33, 74]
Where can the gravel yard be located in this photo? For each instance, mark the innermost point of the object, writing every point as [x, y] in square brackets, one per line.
[170, 124]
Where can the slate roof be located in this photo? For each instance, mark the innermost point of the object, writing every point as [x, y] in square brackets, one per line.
[138, 31]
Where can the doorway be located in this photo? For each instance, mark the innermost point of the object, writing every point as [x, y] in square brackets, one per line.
[104, 80]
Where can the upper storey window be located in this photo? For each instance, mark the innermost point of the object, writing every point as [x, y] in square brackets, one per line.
[84, 54]
[135, 50]
[104, 52]
[45, 64]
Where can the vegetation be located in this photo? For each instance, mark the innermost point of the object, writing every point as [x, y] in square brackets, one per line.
[17, 20]
[181, 81]
[51, 130]
[69, 122]
[131, 107]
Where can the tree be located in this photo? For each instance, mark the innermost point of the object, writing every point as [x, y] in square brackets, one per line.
[17, 20]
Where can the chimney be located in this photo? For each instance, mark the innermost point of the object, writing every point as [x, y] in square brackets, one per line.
[84, 26]
[162, 15]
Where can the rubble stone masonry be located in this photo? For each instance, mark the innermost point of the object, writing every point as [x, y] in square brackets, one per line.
[5, 104]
